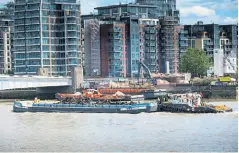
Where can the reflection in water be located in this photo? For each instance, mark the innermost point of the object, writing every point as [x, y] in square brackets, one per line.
[161, 132]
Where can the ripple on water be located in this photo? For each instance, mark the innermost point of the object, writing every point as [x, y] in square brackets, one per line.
[118, 132]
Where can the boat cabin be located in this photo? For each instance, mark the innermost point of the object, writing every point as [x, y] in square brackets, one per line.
[192, 99]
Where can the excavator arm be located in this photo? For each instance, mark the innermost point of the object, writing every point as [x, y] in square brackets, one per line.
[146, 69]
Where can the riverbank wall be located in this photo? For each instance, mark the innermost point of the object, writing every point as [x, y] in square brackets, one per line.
[25, 94]
[209, 92]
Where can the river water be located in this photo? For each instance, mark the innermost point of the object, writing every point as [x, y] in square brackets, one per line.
[155, 132]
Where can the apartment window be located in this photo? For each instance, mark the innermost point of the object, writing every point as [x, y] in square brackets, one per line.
[60, 62]
[32, 27]
[46, 62]
[34, 55]
[132, 10]
[115, 10]
[44, 20]
[19, 28]
[32, 6]
[45, 34]
[34, 1]
[19, 62]
[33, 68]
[33, 34]
[19, 21]
[45, 13]
[46, 55]
[46, 1]
[123, 9]
[33, 41]
[142, 10]
[105, 11]
[20, 56]
[20, 69]
[19, 14]
[71, 27]
[193, 43]
[45, 41]
[45, 48]
[46, 6]
[20, 42]
[19, 7]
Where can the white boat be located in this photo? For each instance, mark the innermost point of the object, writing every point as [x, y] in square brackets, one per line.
[191, 99]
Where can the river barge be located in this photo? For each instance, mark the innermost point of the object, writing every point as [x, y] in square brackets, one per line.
[91, 107]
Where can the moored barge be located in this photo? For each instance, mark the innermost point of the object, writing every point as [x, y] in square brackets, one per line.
[85, 108]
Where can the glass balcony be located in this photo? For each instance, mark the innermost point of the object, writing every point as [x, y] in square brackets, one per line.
[183, 44]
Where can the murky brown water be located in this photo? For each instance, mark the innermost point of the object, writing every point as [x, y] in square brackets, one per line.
[160, 132]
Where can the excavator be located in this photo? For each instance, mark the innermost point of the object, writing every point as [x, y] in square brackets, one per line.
[148, 73]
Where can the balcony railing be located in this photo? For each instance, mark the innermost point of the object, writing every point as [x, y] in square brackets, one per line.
[210, 43]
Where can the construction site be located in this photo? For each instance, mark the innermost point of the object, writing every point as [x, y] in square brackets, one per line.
[168, 42]
[92, 45]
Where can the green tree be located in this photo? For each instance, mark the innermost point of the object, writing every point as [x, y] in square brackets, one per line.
[195, 61]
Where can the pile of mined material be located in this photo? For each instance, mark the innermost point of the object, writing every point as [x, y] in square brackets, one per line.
[204, 81]
[173, 78]
[118, 93]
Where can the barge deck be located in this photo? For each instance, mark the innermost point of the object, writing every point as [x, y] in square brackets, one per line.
[86, 108]
[184, 108]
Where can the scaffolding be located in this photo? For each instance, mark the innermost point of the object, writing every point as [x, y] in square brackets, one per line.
[169, 49]
[92, 52]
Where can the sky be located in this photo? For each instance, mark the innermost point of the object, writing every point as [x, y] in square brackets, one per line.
[191, 11]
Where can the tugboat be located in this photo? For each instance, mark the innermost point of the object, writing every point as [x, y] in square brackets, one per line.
[190, 103]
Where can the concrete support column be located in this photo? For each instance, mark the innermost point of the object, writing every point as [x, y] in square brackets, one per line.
[77, 78]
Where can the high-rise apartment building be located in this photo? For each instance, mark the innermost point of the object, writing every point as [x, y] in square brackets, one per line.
[215, 40]
[164, 7]
[130, 15]
[212, 36]
[203, 36]
[113, 50]
[169, 44]
[47, 35]
[229, 38]
[149, 38]
[6, 38]
[92, 47]
[183, 42]
[169, 19]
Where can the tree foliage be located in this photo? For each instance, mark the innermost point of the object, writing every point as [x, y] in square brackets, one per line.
[195, 61]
